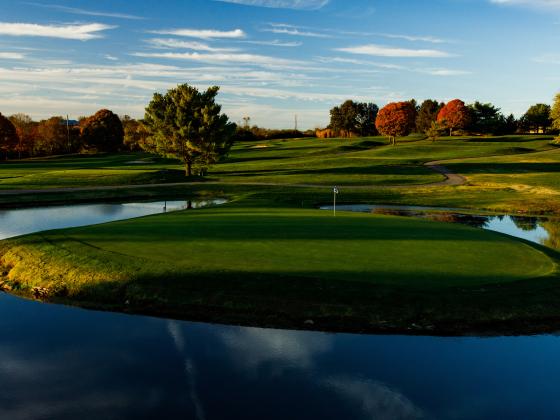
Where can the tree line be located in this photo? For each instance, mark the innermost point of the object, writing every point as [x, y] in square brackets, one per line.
[188, 124]
[433, 118]
[185, 124]
[21, 136]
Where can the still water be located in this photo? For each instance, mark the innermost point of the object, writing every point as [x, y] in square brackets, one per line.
[541, 230]
[65, 363]
[23, 221]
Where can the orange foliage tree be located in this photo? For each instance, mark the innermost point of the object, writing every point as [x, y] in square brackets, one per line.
[102, 132]
[396, 119]
[454, 115]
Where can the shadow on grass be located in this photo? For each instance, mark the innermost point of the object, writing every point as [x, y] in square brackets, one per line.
[291, 302]
[504, 168]
[510, 139]
[344, 170]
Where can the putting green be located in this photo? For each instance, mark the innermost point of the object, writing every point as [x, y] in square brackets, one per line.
[234, 242]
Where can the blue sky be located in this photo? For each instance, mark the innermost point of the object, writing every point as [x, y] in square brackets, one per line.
[276, 58]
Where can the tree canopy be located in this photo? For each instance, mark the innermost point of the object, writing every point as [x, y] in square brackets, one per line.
[135, 133]
[52, 136]
[555, 113]
[427, 114]
[354, 118]
[537, 118]
[396, 119]
[188, 125]
[8, 136]
[103, 132]
[454, 115]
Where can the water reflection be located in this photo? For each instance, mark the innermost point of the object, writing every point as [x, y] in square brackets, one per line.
[67, 363]
[23, 221]
[541, 230]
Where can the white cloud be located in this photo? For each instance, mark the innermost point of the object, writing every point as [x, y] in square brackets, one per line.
[282, 4]
[547, 4]
[253, 59]
[385, 51]
[11, 56]
[202, 33]
[111, 57]
[276, 43]
[444, 72]
[416, 38]
[83, 32]
[284, 29]
[189, 45]
[85, 12]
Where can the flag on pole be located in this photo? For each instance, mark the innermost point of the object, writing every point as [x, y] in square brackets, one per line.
[335, 190]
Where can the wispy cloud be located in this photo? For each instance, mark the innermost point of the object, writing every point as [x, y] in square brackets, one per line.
[83, 32]
[387, 66]
[285, 29]
[282, 4]
[415, 38]
[546, 4]
[276, 43]
[444, 72]
[11, 56]
[252, 59]
[202, 33]
[76, 11]
[385, 51]
[189, 45]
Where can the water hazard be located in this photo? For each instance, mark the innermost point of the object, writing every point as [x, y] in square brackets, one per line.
[540, 230]
[59, 362]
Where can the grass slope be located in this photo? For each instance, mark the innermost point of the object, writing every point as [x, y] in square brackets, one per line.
[278, 266]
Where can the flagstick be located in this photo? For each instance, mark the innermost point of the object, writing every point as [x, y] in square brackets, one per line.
[334, 198]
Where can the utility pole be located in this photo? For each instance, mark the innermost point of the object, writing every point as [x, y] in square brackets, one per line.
[296, 122]
[68, 132]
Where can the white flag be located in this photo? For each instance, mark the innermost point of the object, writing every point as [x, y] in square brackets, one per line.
[335, 190]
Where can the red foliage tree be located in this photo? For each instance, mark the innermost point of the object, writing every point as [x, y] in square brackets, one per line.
[8, 136]
[102, 132]
[454, 115]
[396, 119]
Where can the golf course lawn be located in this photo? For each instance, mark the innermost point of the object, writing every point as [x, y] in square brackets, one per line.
[358, 161]
[262, 265]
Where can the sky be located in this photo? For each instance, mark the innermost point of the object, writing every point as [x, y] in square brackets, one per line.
[275, 59]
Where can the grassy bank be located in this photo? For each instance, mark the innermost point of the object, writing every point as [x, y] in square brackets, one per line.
[258, 264]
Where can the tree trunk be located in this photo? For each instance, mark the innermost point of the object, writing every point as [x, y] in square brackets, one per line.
[450, 132]
[188, 169]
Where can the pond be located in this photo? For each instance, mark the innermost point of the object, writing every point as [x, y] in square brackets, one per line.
[60, 362]
[22, 221]
[541, 230]
[64, 363]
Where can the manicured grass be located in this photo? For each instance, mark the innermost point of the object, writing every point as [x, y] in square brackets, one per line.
[88, 171]
[257, 264]
[362, 161]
